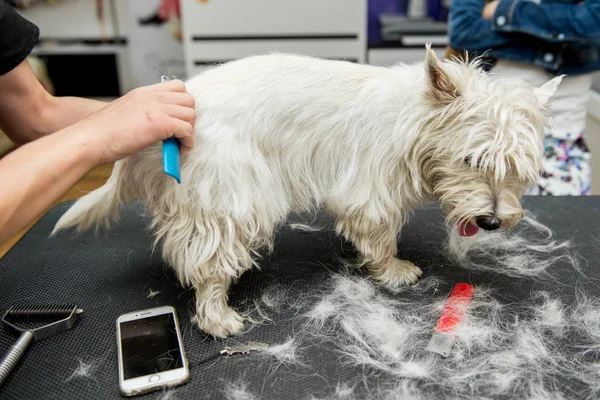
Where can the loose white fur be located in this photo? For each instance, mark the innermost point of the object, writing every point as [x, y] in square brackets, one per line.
[530, 250]
[343, 391]
[283, 133]
[274, 300]
[86, 370]
[305, 228]
[238, 391]
[535, 348]
[497, 354]
[169, 394]
[286, 353]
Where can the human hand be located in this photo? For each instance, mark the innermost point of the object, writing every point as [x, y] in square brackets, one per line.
[490, 9]
[142, 117]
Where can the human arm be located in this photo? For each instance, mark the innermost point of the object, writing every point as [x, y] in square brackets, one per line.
[556, 22]
[469, 31]
[37, 174]
[28, 111]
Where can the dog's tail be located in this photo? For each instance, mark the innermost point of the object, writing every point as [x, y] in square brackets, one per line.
[97, 208]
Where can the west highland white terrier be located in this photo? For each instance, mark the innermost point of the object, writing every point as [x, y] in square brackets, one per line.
[285, 133]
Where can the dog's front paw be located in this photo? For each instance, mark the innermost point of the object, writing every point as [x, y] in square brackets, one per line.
[226, 323]
[395, 273]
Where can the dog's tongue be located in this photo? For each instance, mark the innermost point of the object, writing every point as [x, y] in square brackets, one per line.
[467, 229]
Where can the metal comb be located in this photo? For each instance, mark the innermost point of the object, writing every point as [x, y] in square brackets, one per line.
[21, 320]
[245, 348]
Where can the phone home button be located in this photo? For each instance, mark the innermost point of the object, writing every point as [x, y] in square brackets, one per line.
[154, 378]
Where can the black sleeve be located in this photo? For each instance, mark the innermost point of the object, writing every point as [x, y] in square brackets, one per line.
[18, 36]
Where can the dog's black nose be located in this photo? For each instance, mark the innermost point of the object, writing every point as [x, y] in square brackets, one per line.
[488, 223]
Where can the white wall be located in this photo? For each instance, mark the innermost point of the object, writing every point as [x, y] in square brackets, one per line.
[71, 19]
[77, 19]
[151, 48]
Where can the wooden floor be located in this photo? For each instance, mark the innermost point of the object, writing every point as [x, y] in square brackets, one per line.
[93, 180]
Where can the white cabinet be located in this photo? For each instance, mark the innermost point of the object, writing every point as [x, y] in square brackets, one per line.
[409, 55]
[71, 19]
[221, 30]
[273, 17]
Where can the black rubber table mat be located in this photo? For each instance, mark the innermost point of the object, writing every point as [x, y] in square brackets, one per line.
[110, 273]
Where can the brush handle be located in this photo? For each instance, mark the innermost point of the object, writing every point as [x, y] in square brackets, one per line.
[171, 151]
[171, 158]
[14, 355]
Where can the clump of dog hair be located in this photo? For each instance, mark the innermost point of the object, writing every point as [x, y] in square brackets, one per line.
[305, 228]
[550, 314]
[169, 394]
[85, 369]
[286, 353]
[343, 391]
[274, 300]
[259, 310]
[238, 391]
[586, 316]
[401, 389]
[495, 354]
[153, 293]
[370, 327]
[502, 348]
[529, 250]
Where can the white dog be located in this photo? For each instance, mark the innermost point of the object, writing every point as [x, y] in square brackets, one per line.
[283, 133]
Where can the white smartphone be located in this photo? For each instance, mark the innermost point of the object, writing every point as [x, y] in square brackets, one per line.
[151, 354]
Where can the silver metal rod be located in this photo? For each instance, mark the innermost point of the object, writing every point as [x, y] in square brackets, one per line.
[14, 355]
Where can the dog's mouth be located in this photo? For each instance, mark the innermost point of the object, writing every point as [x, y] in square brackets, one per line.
[466, 228]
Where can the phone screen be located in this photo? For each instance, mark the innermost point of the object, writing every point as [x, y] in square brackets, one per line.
[149, 346]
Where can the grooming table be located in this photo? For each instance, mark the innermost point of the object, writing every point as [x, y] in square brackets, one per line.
[112, 272]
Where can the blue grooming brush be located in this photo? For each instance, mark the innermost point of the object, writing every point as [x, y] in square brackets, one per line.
[170, 152]
[171, 160]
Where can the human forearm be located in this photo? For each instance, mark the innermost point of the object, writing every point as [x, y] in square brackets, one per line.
[66, 111]
[55, 114]
[35, 176]
[28, 111]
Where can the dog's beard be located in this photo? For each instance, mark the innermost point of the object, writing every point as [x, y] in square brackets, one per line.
[467, 196]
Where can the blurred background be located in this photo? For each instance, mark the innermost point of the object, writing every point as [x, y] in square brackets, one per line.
[104, 48]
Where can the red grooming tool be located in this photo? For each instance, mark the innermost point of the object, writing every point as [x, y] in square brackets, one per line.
[456, 307]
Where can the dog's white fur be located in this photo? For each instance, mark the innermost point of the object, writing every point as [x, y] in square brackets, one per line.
[283, 133]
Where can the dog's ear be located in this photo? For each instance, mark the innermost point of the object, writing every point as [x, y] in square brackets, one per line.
[440, 86]
[547, 90]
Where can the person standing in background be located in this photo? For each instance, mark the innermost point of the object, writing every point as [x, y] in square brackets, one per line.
[537, 41]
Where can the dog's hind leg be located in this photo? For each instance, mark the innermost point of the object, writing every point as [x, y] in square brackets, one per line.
[208, 253]
[377, 245]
